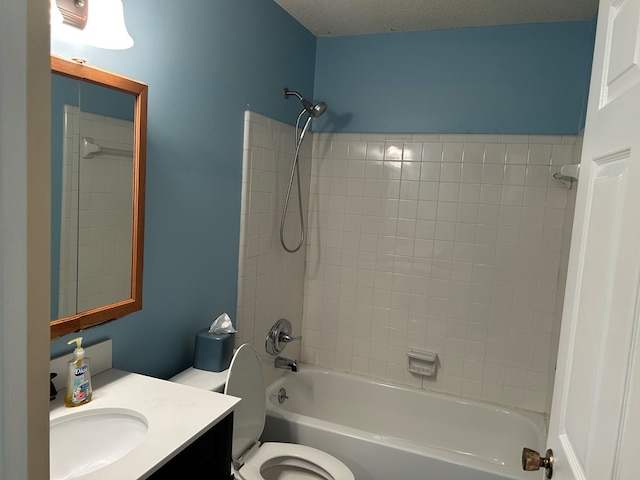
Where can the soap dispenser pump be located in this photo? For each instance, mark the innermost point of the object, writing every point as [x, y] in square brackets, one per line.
[79, 389]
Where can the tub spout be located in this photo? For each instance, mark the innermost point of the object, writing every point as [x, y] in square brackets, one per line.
[286, 363]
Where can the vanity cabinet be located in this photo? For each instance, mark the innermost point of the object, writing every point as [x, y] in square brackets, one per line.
[208, 457]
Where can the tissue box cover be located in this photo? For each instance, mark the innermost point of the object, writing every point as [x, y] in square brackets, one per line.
[213, 352]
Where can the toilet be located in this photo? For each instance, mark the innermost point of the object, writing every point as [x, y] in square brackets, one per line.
[270, 460]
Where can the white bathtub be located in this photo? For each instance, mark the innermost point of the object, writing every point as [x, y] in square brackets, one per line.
[387, 432]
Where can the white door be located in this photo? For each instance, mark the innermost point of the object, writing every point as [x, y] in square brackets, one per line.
[595, 415]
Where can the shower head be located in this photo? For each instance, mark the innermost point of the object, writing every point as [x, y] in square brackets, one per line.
[314, 110]
[318, 109]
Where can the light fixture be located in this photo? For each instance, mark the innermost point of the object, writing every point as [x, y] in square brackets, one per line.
[55, 16]
[101, 23]
[67, 20]
[74, 12]
[105, 25]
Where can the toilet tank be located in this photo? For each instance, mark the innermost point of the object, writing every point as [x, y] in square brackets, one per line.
[203, 379]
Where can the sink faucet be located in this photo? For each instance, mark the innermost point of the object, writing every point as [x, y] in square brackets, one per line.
[284, 362]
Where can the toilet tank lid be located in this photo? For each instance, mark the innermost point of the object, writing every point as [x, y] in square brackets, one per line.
[194, 377]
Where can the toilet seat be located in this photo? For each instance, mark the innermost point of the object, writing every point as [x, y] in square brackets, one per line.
[245, 380]
[301, 457]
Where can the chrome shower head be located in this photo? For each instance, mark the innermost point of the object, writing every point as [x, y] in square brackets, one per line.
[314, 110]
[318, 109]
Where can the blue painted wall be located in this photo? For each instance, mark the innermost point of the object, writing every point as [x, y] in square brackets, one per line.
[509, 79]
[204, 63]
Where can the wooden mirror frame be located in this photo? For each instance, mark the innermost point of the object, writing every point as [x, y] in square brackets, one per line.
[105, 313]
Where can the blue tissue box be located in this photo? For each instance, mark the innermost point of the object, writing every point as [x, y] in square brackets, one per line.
[213, 352]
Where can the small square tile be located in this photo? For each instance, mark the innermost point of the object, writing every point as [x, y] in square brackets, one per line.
[489, 214]
[562, 154]
[495, 153]
[393, 150]
[452, 152]
[432, 152]
[373, 169]
[472, 173]
[512, 195]
[469, 193]
[450, 172]
[463, 252]
[557, 198]
[514, 174]
[390, 188]
[430, 171]
[510, 215]
[491, 194]
[535, 196]
[375, 151]
[473, 153]
[539, 154]
[537, 176]
[473, 369]
[493, 174]
[445, 231]
[412, 151]
[357, 150]
[467, 213]
[517, 154]
[492, 392]
[447, 211]
[448, 192]
[486, 234]
[410, 171]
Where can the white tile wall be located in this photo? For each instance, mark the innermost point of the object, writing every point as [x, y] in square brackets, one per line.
[449, 243]
[564, 262]
[270, 281]
[95, 264]
[452, 243]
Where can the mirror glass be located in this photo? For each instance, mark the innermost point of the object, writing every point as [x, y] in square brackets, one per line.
[98, 133]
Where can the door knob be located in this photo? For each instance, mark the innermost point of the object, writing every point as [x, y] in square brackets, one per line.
[532, 461]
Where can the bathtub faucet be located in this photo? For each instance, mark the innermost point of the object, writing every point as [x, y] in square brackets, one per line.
[283, 362]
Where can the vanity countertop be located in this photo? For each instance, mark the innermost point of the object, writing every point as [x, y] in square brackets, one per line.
[176, 415]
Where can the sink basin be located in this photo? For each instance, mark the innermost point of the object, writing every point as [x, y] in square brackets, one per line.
[86, 441]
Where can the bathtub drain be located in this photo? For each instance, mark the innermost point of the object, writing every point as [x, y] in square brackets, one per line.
[282, 396]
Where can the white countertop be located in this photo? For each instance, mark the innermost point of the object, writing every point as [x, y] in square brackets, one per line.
[176, 415]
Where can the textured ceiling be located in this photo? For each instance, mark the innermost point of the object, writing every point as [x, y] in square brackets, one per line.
[354, 17]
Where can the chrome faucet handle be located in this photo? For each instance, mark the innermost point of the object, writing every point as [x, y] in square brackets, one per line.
[278, 337]
[286, 338]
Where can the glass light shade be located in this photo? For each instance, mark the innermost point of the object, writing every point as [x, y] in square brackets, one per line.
[105, 25]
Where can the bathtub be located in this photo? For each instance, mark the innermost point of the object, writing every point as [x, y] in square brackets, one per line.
[388, 432]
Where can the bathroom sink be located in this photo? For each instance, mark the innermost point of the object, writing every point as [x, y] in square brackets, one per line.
[86, 441]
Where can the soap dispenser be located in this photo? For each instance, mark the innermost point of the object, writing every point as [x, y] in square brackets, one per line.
[79, 382]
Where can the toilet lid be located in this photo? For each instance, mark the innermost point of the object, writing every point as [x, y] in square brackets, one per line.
[245, 381]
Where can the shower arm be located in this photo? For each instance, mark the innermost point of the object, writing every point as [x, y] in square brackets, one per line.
[288, 93]
[313, 110]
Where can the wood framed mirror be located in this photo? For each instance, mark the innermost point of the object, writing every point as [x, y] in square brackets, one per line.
[98, 159]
